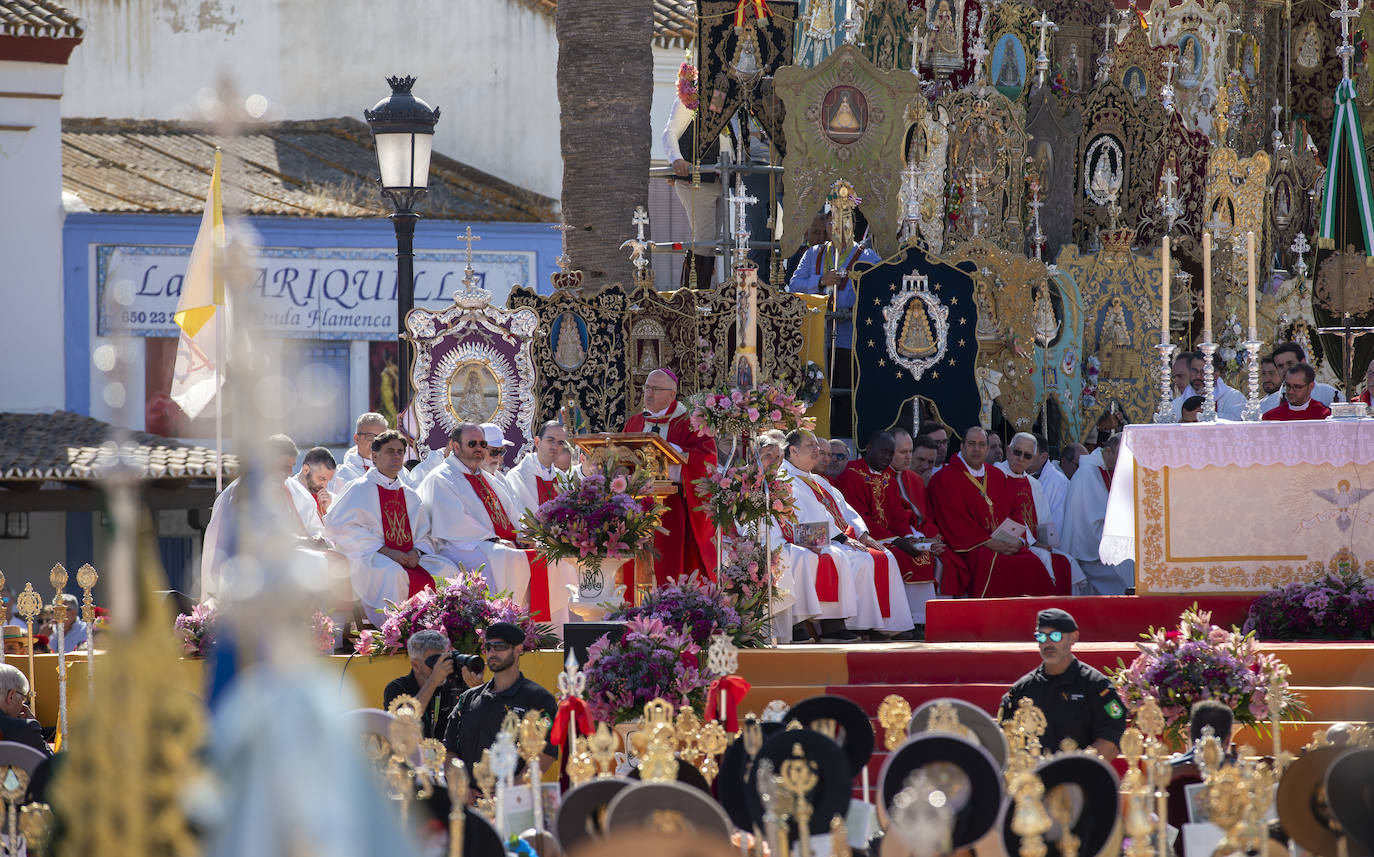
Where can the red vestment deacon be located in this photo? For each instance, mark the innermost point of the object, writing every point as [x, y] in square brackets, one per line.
[396, 534]
[1021, 508]
[1315, 410]
[878, 499]
[688, 540]
[968, 509]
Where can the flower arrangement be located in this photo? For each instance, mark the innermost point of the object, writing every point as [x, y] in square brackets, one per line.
[197, 629]
[691, 606]
[812, 385]
[1229, 348]
[1058, 85]
[955, 202]
[652, 660]
[745, 413]
[745, 578]
[322, 632]
[687, 83]
[460, 607]
[707, 354]
[1092, 367]
[1339, 607]
[593, 518]
[1199, 660]
[744, 494]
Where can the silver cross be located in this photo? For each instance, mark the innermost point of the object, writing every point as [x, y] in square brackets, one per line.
[469, 238]
[564, 260]
[1042, 60]
[980, 52]
[1346, 51]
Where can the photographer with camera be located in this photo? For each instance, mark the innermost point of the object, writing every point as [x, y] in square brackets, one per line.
[432, 680]
[477, 718]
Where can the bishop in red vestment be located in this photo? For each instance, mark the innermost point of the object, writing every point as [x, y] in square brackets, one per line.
[871, 487]
[688, 542]
[970, 501]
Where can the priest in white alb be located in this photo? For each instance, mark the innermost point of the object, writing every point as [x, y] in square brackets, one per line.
[358, 459]
[1084, 516]
[378, 523]
[473, 524]
[534, 481]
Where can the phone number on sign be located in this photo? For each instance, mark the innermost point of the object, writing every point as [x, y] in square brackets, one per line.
[145, 317]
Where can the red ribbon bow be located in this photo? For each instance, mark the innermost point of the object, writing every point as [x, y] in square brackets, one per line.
[571, 711]
[734, 689]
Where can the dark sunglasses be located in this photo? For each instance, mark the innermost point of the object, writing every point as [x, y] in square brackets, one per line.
[505, 647]
[1016, 453]
[1053, 636]
[474, 444]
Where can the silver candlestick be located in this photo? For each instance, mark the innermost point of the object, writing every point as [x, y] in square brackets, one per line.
[1209, 390]
[1165, 412]
[1252, 405]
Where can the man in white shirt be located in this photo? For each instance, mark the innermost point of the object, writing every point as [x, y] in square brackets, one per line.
[534, 481]
[473, 523]
[1053, 483]
[317, 471]
[358, 459]
[1287, 355]
[379, 524]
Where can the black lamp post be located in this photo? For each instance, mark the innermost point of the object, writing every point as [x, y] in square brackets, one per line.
[403, 128]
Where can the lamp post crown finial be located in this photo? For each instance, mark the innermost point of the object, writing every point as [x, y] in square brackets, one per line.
[401, 84]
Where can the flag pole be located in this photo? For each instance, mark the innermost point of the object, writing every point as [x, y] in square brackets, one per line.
[219, 403]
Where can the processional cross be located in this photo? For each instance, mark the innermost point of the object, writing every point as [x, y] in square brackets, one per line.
[1346, 51]
[739, 203]
[468, 237]
[980, 52]
[1042, 59]
[1104, 62]
[564, 260]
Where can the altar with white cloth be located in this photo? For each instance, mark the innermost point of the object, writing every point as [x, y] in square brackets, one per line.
[1241, 507]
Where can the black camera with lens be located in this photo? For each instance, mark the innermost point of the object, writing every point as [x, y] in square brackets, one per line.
[472, 662]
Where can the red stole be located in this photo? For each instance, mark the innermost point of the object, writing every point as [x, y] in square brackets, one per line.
[879, 557]
[397, 535]
[500, 522]
[1022, 498]
[1106, 478]
[546, 489]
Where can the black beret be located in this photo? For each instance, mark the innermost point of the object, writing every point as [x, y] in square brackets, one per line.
[1060, 620]
[508, 633]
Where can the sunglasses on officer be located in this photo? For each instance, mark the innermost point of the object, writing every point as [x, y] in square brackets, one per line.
[1052, 636]
[497, 646]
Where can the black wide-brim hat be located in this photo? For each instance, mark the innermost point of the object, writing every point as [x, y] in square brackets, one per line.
[580, 815]
[971, 717]
[1350, 795]
[1097, 809]
[829, 797]
[643, 805]
[975, 812]
[1300, 802]
[480, 839]
[732, 781]
[857, 740]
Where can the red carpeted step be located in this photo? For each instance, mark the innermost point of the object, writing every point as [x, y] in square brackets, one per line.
[971, 662]
[986, 696]
[1100, 617]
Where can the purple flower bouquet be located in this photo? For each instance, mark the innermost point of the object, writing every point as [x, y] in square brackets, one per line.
[593, 518]
[1199, 660]
[1336, 607]
[651, 661]
[689, 606]
[461, 607]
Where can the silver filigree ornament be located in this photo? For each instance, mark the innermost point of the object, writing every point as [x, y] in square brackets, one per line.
[915, 287]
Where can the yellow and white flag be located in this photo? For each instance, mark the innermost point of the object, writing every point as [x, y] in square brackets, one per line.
[197, 376]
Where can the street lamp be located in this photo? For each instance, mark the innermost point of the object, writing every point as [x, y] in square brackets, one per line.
[403, 127]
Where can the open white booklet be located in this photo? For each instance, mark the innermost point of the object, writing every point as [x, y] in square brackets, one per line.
[1009, 534]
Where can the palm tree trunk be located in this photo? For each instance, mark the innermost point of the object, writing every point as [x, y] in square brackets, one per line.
[605, 88]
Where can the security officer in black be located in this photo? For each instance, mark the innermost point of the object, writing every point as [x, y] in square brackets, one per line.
[476, 719]
[1078, 701]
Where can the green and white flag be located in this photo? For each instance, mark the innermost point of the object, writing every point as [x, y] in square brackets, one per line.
[1347, 137]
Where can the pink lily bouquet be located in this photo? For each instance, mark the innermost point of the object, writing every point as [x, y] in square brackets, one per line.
[594, 518]
[745, 494]
[460, 607]
[733, 412]
[1199, 660]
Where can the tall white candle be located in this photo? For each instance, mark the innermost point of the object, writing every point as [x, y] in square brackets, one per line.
[1250, 262]
[1164, 309]
[1207, 285]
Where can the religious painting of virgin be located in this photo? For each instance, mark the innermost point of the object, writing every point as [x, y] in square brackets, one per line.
[1104, 166]
[1072, 68]
[1114, 350]
[1283, 200]
[568, 339]
[945, 24]
[1309, 53]
[474, 392]
[1134, 82]
[1009, 66]
[844, 115]
[647, 338]
[1189, 61]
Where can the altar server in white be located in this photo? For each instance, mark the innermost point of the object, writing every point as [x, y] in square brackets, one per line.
[378, 523]
[1083, 519]
[473, 526]
[534, 481]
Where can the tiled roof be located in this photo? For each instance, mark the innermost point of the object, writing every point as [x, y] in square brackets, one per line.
[67, 447]
[42, 18]
[321, 168]
[674, 20]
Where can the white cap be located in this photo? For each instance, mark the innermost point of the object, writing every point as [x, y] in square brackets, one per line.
[494, 435]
